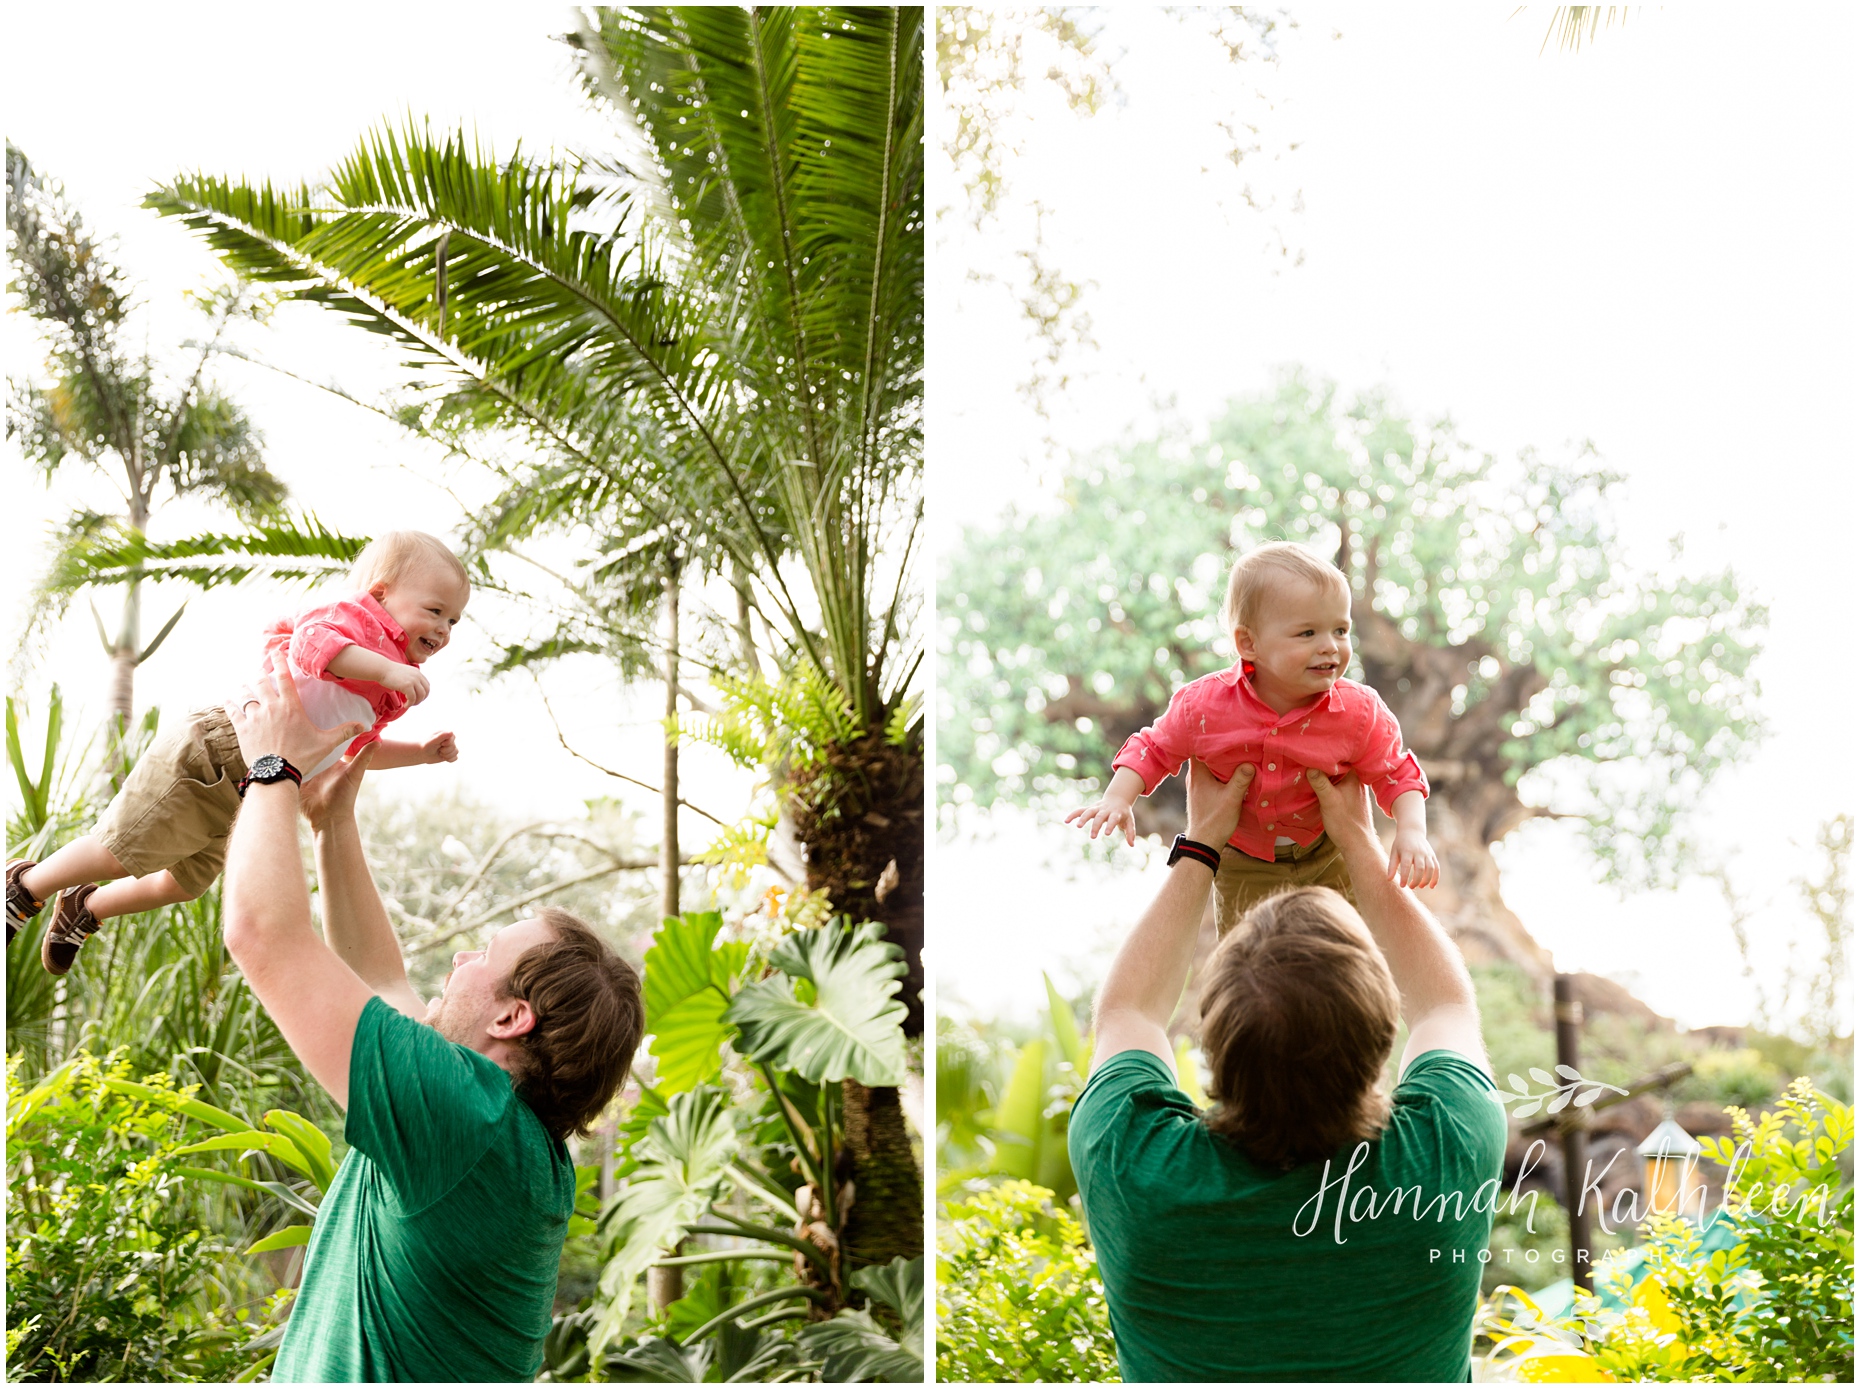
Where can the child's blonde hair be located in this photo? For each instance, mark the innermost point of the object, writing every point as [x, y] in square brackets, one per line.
[389, 556]
[1257, 570]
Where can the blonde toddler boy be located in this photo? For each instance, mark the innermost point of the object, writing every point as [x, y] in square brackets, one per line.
[354, 661]
[1283, 709]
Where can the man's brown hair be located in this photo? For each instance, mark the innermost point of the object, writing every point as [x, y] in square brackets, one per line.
[1298, 1015]
[589, 1018]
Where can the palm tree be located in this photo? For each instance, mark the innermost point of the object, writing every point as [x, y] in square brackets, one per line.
[716, 328]
[105, 407]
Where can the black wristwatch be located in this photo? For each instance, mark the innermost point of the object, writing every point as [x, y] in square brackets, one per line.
[268, 769]
[1184, 847]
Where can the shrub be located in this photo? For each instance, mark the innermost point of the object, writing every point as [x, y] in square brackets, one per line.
[1018, 1296]
[101, 1258]
[1776, 1305]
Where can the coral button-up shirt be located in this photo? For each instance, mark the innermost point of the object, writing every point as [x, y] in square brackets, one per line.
[313, 637]
[1221, 720]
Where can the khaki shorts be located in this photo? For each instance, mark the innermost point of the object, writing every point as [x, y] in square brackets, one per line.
[1244, 881]
[177, 808]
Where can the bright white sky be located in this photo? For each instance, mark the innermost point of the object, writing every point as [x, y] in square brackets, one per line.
[261, 92]
[1648, 243]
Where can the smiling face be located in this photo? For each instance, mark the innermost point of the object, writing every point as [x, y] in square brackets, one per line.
[1299, 644]
[427, 601]
[473, 998]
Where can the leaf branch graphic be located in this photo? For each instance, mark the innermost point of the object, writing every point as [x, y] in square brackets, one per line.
[1573, 1088]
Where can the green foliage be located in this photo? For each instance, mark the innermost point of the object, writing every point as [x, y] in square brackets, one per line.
[791, 721]
[714, 333]
[1774, 1305]
[105, 405]
[855, 1349]
[108, 1270]
[1497, 612]
[283, 548]
[449, 867]
[831, 1011]
[689, 983]
[678, 1168]
[1018, 1295]
[744, 1122]
[1007, 1109]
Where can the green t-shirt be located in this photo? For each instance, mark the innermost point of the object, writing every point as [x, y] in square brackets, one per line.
[1217, 1269]
[436, 1247]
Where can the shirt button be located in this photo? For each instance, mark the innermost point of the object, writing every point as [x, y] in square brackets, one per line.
[1272, 766]
[1264, 804]
[1269, 825]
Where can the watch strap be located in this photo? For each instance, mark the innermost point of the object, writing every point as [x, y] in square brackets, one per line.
[286, 772]
[1184, 847]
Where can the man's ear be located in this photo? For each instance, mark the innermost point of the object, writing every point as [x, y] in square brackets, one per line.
[515, 1018]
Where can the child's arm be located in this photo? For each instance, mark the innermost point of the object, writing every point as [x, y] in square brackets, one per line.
[441, 747]
[1412, 861]
[1113, 810]
[354, 663]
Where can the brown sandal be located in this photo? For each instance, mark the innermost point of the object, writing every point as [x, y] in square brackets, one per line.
[72, 925]
[21, 905]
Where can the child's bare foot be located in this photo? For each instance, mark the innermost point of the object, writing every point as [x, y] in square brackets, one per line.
[72, 925]
[21, 905]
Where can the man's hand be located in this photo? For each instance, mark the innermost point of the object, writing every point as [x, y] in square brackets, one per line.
[272, 720]
[1412, 861]
[441, 747]
[1213, 804]
[1344, 805]
[408, 681]
[1106, 816]
[329, 799]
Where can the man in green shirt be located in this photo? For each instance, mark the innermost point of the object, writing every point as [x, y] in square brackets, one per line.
[435, 1250]
[1310, 1226]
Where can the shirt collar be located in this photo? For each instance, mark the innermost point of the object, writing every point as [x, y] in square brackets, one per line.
[373, 608]
[1240, 676]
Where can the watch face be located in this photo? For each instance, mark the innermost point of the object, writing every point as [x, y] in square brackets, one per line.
[268, 768]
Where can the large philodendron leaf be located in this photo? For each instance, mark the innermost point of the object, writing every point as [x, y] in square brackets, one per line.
[688, 985]
[857, 1349]
[680, 1163]
[851, 1028]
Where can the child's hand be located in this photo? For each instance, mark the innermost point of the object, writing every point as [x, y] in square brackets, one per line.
[409, 682]
[1105, 817]
[441, 747]
[1412, 861]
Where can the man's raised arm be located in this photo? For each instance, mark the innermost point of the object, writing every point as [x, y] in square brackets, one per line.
[355, 924]
[315, 999]
[1437, 999]
[1146, 979]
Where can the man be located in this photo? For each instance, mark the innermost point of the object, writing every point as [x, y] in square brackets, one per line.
[435, 1251]
[1309, 1227]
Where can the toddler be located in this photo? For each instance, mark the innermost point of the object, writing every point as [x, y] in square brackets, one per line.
[1282, 708]
[163, 839]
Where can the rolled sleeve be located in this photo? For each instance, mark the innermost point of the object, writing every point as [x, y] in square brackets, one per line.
[1157, 753]
[315, 644]
[1387, 768]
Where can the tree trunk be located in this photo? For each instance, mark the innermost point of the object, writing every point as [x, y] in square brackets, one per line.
[863, 831]
[123, 659]
[886, 1220]
[1468, 901]
[665, 1286]
[668, 842]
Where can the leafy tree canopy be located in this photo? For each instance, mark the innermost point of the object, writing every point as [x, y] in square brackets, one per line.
[1495, 610]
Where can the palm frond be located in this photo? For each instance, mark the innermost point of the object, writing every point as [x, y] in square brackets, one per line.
[107, 553]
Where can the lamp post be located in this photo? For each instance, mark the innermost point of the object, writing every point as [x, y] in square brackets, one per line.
[1575, 1132]
[1671, 1156]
